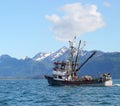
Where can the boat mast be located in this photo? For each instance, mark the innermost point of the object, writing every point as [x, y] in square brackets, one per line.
[72, 51]
[76, 59]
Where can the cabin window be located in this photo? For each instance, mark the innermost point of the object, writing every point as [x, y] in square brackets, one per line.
[62, 66]
[54, 76]
[56, 65]
[60, 77]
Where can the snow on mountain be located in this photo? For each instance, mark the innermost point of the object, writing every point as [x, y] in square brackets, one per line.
[102, 62]
[59, 53]
[50, 56]
[24, 58]
[41, 56]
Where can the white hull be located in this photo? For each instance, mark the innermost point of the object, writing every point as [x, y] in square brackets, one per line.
[106, 83]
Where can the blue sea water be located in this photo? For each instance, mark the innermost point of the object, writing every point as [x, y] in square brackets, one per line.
[39, 93]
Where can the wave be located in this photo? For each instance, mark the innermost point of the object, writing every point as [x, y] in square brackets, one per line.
[116, 84]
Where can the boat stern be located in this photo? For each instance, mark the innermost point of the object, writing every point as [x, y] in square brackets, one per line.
[108, 83]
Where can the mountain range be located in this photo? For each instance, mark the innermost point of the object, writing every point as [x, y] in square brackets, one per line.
[42, 63]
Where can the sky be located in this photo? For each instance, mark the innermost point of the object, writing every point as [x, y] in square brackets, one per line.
[28, 27]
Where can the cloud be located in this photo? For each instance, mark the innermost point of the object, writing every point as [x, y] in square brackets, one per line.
[106, 4]
[76, 20]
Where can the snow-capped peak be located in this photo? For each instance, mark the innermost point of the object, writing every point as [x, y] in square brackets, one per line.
[59, 53]
[24, 58]
[63, 49]
[50, 55]
[41, 56]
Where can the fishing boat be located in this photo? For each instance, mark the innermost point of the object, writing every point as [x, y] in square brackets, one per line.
[66, 72]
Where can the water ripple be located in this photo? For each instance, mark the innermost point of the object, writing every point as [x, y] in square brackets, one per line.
[38, 93]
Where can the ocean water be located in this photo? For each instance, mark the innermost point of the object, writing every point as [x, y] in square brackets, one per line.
[39, 93]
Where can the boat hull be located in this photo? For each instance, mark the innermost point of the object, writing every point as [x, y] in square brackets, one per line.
[55, 82]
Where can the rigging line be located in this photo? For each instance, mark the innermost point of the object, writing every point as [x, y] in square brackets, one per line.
[87, 60]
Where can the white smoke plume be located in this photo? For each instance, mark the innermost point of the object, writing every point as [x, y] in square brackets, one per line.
[77, 19]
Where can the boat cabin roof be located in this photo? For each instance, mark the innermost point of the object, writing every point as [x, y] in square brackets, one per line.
[59, 63]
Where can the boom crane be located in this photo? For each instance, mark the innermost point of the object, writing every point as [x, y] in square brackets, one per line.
[86, 60]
